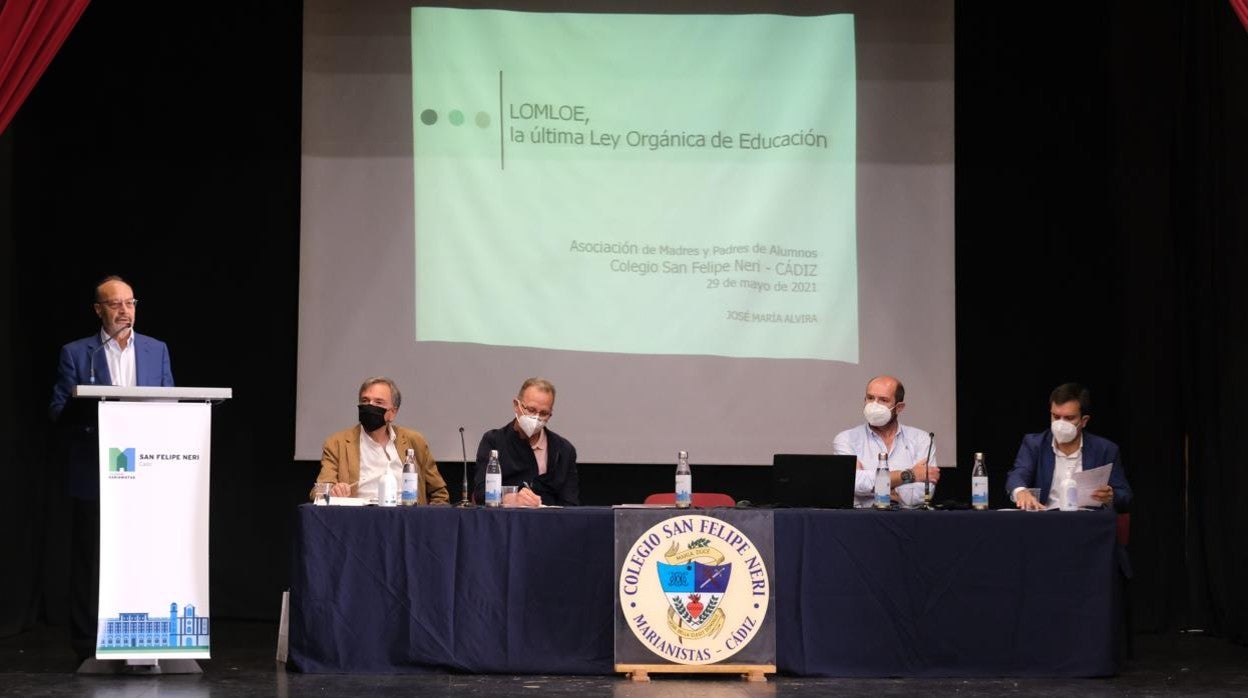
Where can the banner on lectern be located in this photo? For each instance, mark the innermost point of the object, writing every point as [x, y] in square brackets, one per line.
[154, 468]
[694, 588]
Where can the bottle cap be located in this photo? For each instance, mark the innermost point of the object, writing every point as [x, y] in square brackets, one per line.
[682, 454]
[493, 454]
[411, 452]
[979, 455]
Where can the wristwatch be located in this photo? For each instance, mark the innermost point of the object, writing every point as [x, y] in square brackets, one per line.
[907, 476]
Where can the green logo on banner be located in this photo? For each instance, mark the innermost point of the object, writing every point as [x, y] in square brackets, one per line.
[121, 460]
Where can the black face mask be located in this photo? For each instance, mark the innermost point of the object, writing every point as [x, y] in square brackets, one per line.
[372, 417]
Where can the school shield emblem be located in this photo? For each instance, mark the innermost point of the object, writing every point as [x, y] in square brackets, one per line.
[694, 591]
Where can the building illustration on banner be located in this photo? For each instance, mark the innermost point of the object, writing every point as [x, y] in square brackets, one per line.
[130, 631]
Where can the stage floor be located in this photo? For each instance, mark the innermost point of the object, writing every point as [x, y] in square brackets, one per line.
[39, 662]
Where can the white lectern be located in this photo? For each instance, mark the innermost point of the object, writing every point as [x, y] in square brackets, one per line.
[154, 448]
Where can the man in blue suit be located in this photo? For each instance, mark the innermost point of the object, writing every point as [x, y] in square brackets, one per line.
[116, 355]
[1044, 457]
[82, 363]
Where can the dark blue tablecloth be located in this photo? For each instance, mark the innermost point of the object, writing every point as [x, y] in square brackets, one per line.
[858, 593]
[962, 593]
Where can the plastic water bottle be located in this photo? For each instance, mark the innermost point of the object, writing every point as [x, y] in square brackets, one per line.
[411, 479]
[1070, 491]
[684, 481]
[493, 481]
[388, 489]
[882, 484]
[979, 484]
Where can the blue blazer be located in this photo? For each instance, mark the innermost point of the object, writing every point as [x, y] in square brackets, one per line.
[1033, 467]
[151, 367]
[78, 441]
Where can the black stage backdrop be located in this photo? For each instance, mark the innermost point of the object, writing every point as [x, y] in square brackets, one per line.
[1102, 221]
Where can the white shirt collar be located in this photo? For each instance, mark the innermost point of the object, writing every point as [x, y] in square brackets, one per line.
[1077, 453]
[104, 339]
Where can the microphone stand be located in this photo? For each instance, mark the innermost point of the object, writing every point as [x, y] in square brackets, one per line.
[927, 471]
[464, 500]
[111, 338]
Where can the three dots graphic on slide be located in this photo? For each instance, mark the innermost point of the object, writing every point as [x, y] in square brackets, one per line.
[455, 117]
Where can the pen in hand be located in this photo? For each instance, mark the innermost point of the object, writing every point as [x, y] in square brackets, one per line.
[349, 485]
[528, 486]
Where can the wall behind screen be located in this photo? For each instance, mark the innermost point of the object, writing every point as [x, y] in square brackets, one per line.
[355, 298]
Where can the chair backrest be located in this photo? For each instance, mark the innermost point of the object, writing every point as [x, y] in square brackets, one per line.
[702, 500]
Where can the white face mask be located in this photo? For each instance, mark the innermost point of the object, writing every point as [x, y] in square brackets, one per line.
[877, 415]
[530, 424]
[1064, 431]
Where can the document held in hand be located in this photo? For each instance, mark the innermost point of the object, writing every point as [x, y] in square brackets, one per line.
[1088, 481]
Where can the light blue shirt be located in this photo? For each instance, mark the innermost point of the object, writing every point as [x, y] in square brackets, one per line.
[910, 446]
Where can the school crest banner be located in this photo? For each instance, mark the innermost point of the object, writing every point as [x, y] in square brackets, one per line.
[694, 587]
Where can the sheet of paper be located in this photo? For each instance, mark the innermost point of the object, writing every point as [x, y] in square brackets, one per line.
[1087, 481]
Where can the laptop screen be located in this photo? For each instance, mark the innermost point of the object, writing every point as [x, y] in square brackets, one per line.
[811, 480]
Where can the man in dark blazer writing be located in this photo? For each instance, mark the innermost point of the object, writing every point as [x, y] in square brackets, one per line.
[538, 461]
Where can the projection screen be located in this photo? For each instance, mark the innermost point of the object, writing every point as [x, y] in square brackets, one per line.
[709, 225]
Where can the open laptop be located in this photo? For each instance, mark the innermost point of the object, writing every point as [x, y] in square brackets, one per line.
[816, 481]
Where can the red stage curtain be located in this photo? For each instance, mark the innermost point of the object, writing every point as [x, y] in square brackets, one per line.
[31, 32]
[1241, 9]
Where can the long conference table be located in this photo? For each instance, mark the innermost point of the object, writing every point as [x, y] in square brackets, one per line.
[857, 593]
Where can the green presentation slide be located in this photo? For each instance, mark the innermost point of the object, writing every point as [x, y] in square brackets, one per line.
[641, 184]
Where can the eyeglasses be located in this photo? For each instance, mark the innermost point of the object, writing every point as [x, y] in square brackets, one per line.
[533, 411]
[116, 305]
[377, 402]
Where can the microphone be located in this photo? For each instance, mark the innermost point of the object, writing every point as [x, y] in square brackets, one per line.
[464, 501]
[927, 472]
[112, 337]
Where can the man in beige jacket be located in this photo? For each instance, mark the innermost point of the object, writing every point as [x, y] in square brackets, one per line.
[355, 459]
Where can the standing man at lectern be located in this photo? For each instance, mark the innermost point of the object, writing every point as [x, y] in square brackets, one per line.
[541, 463]
[116, 355]
[355, 458]
[909, 449]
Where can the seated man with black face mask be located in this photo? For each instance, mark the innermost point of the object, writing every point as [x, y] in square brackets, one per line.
[355, 459]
